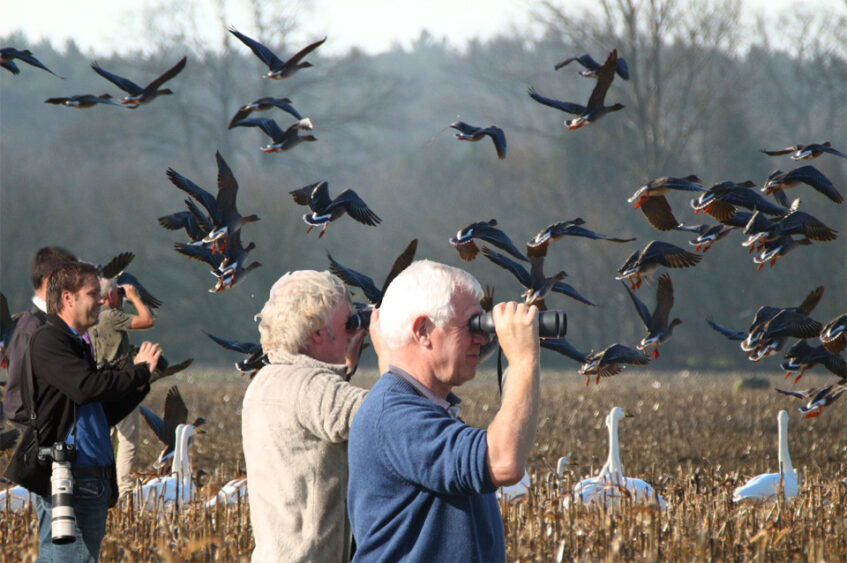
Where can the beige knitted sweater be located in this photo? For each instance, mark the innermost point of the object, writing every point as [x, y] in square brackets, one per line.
[295, 421]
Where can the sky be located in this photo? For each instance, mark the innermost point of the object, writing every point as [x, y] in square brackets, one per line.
[371, 25]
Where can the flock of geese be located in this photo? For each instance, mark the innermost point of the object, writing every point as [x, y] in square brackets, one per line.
[773, 228]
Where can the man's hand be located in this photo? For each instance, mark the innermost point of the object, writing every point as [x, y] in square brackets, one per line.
[150, 353]
[130, 292]
[353, 351]
[516, 325]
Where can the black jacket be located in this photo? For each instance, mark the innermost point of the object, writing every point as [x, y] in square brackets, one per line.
[65, 377]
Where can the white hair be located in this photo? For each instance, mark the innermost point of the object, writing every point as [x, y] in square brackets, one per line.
[425, 288]
[106, 286]
[299, 303]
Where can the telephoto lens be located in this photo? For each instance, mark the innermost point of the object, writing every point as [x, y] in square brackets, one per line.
[359, 319]
[62, 491]
[551, 324]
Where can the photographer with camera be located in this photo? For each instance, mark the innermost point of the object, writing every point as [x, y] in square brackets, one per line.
[71, 405]
[296, 417]
[422, 482]
[110, 340]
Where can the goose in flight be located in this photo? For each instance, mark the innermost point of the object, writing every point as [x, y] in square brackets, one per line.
[591, 66]
[325, 209]
[277, 68]
[9, 54]
[659, 330]
[817, 398]
[595, 108]
[468, 132]
[644, 262]
[138, 95]
[807, 152]
[486, 231]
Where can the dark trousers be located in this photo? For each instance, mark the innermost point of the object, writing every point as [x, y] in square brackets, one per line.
[91, 506]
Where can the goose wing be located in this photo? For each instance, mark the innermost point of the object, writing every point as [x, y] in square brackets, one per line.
[269, 126]
[266, 55]
[355, 279]
[242, 347]
[401, 263]
[355, 207]
[167, 75]
[567, 107]
[124, 84]
[520, 273]
[297, 57]
[207, 200]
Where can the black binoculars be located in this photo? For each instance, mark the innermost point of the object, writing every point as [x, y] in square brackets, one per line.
[551, 324]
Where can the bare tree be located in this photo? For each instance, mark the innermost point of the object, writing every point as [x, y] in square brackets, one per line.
[677, 52]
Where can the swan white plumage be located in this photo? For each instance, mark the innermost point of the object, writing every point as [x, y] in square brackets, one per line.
[178, 486]
[766, 486]
[16, 499]
[610, 485]
[233, 492]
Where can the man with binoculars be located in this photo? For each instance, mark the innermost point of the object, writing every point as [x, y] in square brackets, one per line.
[71, 406]
[422, 482]
[296, 417]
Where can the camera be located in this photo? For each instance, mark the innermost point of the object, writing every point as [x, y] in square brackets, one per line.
[63, 519]
[359, 319]
[551, 324]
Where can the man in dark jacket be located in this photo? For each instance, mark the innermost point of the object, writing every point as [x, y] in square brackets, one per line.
[45, 261]
[76, 403]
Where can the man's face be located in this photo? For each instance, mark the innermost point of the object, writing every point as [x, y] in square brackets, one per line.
[333, 344]
[81, 309]
[455, 347]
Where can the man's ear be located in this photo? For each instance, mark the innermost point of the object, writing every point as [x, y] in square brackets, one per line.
[422, 330]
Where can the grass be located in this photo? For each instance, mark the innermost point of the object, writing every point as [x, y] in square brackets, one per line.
[694, 437]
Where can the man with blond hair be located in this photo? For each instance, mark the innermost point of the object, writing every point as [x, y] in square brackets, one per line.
[295, 421]
[422, 482]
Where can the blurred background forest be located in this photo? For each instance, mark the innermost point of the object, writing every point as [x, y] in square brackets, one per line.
[94, 180]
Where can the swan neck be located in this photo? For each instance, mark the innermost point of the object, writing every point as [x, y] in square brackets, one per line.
[614, 461]
[784, 457]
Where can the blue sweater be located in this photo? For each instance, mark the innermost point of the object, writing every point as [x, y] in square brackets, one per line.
[419, 486]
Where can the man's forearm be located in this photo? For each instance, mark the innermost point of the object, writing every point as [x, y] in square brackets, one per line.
[512, 432]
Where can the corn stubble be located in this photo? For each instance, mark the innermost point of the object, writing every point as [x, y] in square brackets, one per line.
[693, 438]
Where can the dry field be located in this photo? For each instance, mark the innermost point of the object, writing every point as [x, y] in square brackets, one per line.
[693, 437]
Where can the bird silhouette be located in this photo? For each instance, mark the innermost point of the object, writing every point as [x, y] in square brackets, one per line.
[137, 94]
[278, 69]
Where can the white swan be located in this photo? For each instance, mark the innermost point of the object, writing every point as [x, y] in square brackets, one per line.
[178, 486]
[15, 499]
[610, 485]
[766, 486]
[233, 492]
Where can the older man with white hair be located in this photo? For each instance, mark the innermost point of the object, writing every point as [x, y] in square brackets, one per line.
[422, 482]
[296, 418]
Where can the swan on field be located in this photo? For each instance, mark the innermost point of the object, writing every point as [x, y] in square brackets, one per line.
[610, 485]
[178, 486]
[766, 486]
[233, 492]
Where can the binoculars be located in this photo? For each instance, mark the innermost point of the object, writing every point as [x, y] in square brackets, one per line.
[551, 324]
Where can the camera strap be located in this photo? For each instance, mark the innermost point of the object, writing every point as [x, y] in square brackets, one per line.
[29, 391]
[29, 398]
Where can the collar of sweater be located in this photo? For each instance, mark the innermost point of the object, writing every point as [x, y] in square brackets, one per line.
[302, 360]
